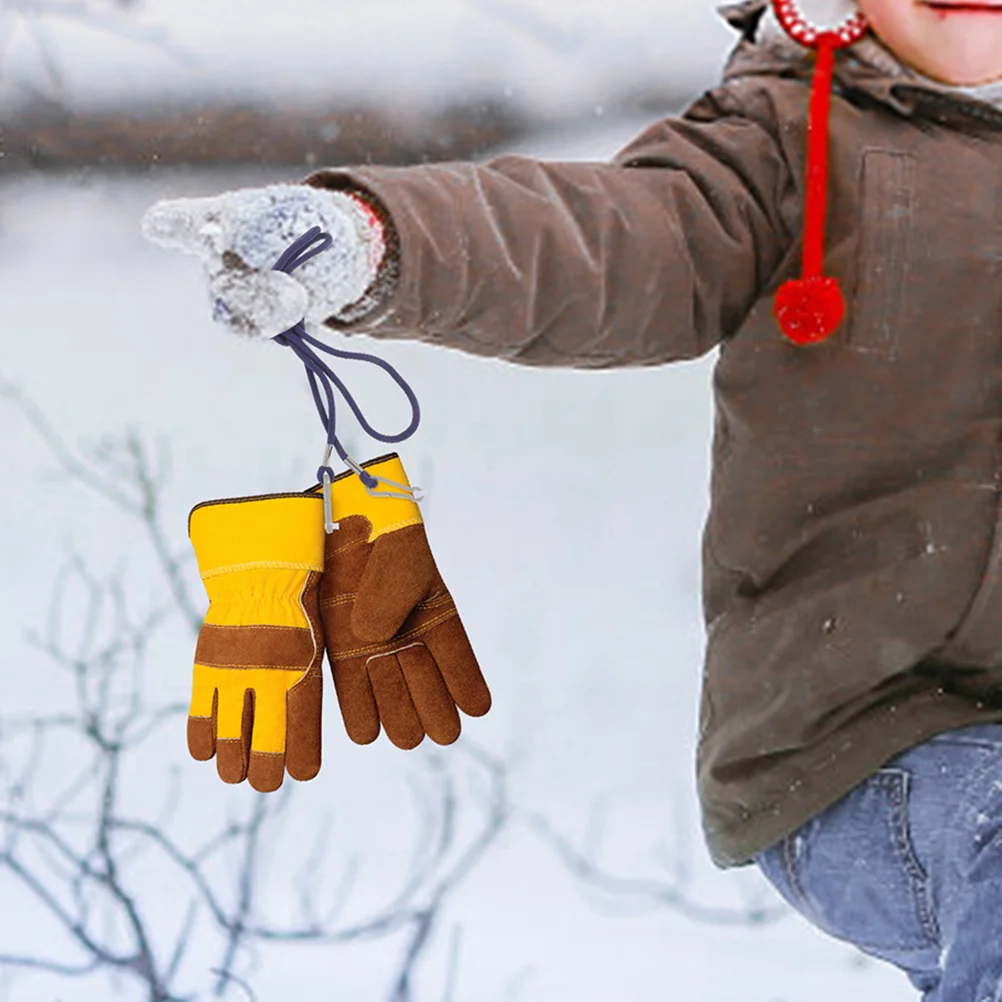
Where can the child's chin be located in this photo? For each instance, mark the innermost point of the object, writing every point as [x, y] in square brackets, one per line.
[965, 53]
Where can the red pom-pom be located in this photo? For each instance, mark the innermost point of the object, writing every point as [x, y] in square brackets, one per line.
[809, 309]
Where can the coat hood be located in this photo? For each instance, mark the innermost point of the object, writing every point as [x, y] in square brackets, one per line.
[866, 68]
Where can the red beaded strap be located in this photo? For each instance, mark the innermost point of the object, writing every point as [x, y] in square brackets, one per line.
[852, 29]
[809, 308]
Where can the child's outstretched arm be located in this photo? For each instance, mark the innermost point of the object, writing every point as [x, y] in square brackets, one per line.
[653, 257]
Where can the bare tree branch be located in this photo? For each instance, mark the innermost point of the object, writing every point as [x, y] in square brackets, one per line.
[232, 979]
[80, 848]
[51, 966]
[89, 13]
[236, 926]
[101, 655]
[452, 971]
[183, 942]
[548, 33]
[123, 473]
[518, 984]
[50, 63]
[647, 891]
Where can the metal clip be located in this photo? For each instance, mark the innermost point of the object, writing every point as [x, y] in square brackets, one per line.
[329, 524]
[402, 492]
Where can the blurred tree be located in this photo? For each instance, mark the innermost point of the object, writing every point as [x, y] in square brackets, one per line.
[28, 21]
[94, 864]
[42, 130]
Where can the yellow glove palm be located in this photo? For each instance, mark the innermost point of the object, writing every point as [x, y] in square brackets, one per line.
[257, 687]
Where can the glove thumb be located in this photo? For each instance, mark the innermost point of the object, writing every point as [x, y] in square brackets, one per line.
[185, 224]
[397, 576]
[258, 304]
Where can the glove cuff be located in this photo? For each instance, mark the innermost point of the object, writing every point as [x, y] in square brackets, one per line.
[273, 531]
[386, 514]
[382, 243]
[379, 239]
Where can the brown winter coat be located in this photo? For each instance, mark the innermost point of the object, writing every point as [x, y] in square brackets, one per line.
[852, 558]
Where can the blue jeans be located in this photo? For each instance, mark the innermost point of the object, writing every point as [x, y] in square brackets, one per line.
[908, 866]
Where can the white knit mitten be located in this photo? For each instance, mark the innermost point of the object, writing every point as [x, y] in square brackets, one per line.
[239, 236]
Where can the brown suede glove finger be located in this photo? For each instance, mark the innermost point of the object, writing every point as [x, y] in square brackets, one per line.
[266, 771]
[305, 705]
[202, 734]
[451, 649]
[396, 708]
[429, 693]
[356, 699]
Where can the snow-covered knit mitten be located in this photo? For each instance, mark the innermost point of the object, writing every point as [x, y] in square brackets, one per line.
[239, 236]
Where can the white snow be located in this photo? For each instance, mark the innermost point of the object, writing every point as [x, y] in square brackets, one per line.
[565, 511]
[557, 57]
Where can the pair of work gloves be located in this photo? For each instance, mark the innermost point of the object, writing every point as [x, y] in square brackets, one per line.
[281, 589]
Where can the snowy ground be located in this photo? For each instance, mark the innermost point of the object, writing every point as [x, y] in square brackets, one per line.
[576, 577]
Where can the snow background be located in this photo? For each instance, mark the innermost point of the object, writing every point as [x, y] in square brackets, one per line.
[555, 56]
[564, 508]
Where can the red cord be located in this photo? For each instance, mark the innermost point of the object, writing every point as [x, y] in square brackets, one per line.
[811, 307]
[816, 205]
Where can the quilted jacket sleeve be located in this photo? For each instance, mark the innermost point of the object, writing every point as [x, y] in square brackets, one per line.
[653, 257]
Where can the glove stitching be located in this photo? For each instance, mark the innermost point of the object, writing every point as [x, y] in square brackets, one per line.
[316, 633]
[313, 671]
[396, 650]
[376, 533]
[346, 598]
[376, 648]
[253, 626]
[271, 565]
[396, 526]
[443, 598]
[233, 667]
[349, 546]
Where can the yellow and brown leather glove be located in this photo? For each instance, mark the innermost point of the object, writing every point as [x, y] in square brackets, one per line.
[258, 684]
[397, 648]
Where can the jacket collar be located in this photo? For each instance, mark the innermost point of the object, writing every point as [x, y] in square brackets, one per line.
[866, 68]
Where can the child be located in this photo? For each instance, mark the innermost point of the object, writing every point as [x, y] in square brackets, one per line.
[850, 739]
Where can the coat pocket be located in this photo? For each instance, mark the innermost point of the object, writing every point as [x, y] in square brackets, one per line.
[886, 202]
